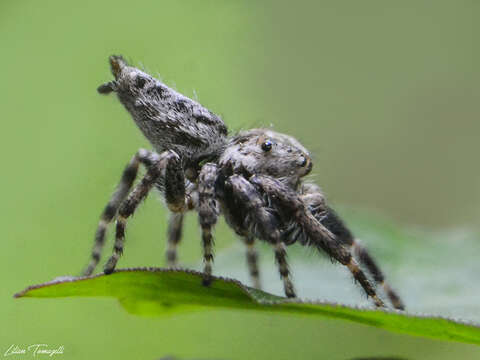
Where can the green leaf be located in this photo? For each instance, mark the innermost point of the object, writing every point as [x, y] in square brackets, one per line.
[154, 291]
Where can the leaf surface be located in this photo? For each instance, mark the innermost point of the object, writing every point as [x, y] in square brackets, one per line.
[155, 291]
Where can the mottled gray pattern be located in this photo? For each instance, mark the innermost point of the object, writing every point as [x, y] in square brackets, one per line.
[169, 120]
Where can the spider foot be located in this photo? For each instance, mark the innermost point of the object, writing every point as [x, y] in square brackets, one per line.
[207, 280]
[378, 302]
[88, 271]
[289, 290]
[110, 266]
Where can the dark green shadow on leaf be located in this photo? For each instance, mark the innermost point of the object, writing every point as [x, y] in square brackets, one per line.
[153, 292]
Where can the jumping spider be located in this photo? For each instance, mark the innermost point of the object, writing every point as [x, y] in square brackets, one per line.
[253, 178]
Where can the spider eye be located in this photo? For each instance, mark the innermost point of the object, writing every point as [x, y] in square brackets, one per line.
[304, 161]
[267, 145]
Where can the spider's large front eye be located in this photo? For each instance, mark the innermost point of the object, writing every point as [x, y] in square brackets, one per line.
[303, 161]
[267, 145]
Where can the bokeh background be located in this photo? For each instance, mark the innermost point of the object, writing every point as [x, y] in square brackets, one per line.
[384, 94]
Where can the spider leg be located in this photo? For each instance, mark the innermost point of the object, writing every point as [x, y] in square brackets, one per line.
[175, 225]
[207, 215]
[263, 223]
[315, 201]
[174, 180]
[175, 222]
[128, 177]
[174, 189]
[159, 166]
[291, 203]
[366, 260]
[252, 260]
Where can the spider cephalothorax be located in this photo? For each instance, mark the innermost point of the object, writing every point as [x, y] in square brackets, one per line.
[253, 178]
[263, 151]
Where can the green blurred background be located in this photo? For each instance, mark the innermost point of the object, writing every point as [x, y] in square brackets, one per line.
[384, 94]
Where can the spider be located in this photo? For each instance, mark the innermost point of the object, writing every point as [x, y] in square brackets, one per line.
[253, 178]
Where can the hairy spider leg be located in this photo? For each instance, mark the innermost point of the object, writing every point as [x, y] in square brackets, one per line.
[314, 199]
[128, 177]
[261, 221]
[174, 234]
[207, 216]
[335, 224]
[252, 260]
[367, 261]
[161, 166]
[290, 201]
